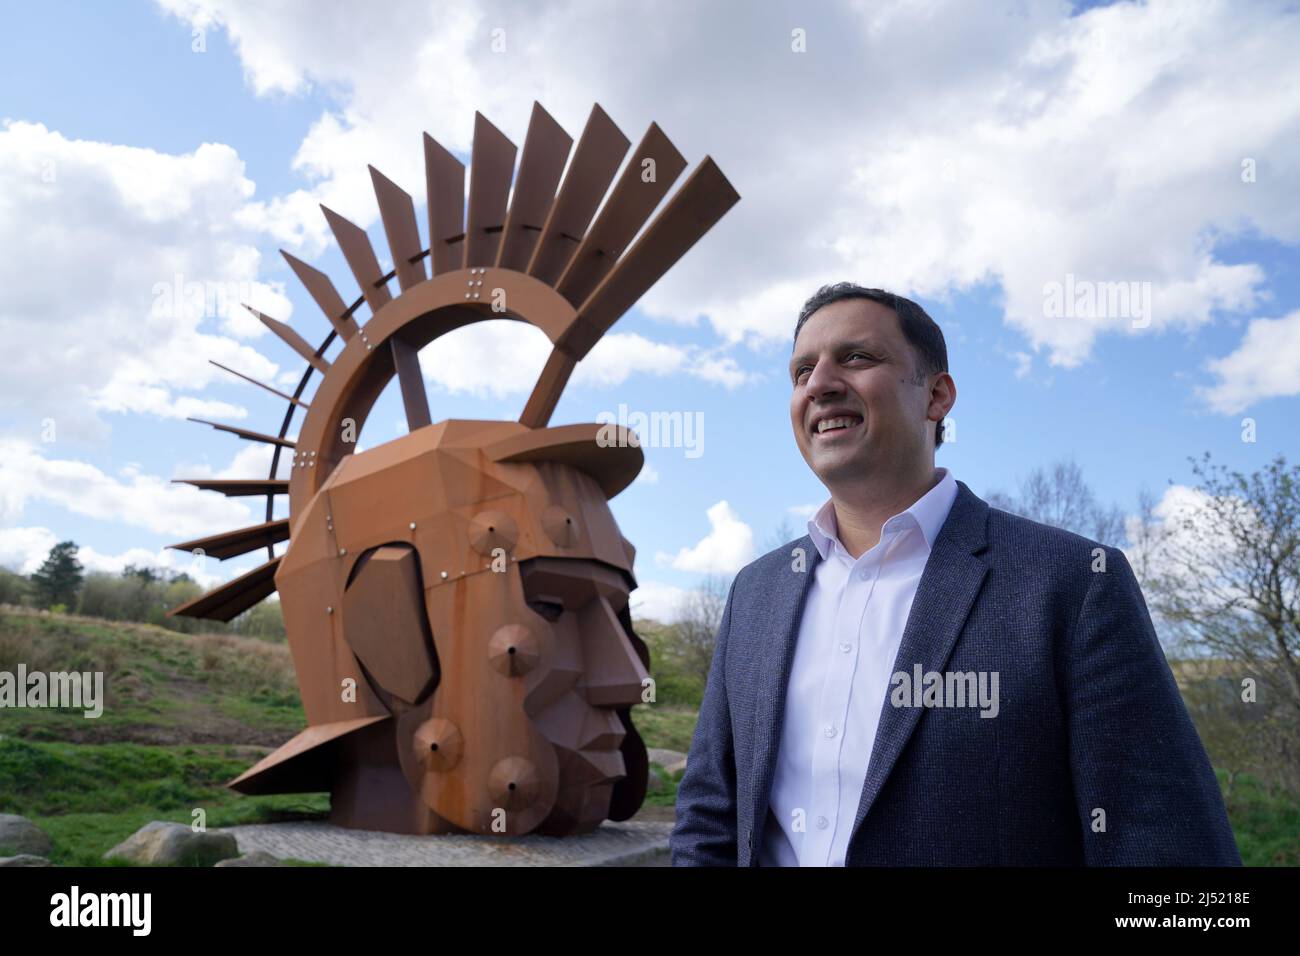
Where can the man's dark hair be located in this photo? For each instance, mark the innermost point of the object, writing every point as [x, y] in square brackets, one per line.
[921, 331]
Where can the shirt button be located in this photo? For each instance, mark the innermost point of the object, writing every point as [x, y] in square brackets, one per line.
[829, 731]
[864, 574]
[845, 646]
[822, 823]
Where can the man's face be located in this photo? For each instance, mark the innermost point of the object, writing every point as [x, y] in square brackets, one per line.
[853, 367]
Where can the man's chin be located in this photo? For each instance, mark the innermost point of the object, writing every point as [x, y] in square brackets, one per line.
[839, 465]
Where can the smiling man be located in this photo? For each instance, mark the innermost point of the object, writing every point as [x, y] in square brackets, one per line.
[923, 679]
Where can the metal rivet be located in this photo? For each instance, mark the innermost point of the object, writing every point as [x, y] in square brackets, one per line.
[444, 575]
[329, 610]
[342, 551]
[412, 525]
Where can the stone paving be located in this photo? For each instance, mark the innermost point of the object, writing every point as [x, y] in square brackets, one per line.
[636, 842]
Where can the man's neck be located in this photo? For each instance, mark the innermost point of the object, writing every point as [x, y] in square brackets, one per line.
[861, 511]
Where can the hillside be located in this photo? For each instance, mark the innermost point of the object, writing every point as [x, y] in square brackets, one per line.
[183, 715]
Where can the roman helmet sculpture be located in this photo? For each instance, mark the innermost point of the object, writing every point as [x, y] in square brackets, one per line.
[456, 600]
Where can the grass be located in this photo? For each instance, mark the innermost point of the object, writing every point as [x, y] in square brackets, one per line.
[90, 797]
[1266, 825]
[185, 714]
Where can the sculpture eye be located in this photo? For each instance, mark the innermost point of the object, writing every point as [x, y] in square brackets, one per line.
[549, 608]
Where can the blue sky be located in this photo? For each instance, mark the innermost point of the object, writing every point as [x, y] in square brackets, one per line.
[966, 166]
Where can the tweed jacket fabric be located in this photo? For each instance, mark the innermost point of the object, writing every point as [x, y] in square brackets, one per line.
[1091, 759]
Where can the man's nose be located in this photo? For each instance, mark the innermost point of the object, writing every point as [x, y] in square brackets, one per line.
[823, 381]
[614, 674]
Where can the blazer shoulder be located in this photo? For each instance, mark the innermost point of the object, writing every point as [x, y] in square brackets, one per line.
[778, 561]
[1028, 540]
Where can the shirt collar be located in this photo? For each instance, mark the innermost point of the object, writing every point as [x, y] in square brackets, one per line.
[928, 512]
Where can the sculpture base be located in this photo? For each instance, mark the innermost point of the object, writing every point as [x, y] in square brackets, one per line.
[632, 843]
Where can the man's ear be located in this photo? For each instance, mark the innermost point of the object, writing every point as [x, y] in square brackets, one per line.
[609, 453]
[943, 396]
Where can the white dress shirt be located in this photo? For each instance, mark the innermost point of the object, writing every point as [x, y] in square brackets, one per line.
[845, 651]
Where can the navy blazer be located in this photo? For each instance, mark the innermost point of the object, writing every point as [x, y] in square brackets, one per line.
[1090, 718]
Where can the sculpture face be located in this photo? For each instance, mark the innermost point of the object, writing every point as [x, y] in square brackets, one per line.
[508, 680]
[456, 600]
[595, 671]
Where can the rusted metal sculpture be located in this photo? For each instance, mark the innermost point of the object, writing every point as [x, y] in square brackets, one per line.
[456, 600]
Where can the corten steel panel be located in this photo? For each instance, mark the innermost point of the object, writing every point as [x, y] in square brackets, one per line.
[246, 434]
[600, 150]
[456, 600]
[651, 170]
[229, 544]
[489, 186]
[291, 338]
[444, 177]
[262, 385]
[321, 288]
[234, 597]
[397, 210]
[360, 257]
[545, 150]
[238, 487]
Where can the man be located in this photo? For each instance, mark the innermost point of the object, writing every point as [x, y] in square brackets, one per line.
[923, 679]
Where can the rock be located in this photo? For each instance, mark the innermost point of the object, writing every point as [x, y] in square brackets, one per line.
[256, 858]
[174, 844]
[654, 783]
[671, 760]
[24, 859]
[19, 835]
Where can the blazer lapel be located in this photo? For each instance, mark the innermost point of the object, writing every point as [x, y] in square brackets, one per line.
[781, 610]
[944, 597]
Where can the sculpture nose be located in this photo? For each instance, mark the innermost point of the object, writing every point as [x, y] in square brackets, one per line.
[615, 676]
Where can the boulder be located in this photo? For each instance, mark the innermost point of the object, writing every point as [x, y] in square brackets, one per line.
[671, 760]
[174, 844]
[19, 835]
[24, 859]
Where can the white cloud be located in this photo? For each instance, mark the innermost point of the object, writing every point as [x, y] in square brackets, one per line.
[504, 358]
[657, 601]
[1184, 525]
[1265, 365]
[649, 475]
[727, 548]
[137, 500]
[923, 147]
[123, 269]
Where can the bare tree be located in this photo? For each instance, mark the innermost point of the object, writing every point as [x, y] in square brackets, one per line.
[1231, 569]
[781, 534]
[696, 629]
[1059, 496]
[1225, 574]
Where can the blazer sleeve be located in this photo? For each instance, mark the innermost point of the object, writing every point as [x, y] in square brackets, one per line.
[1134, 753]
[705, 830]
